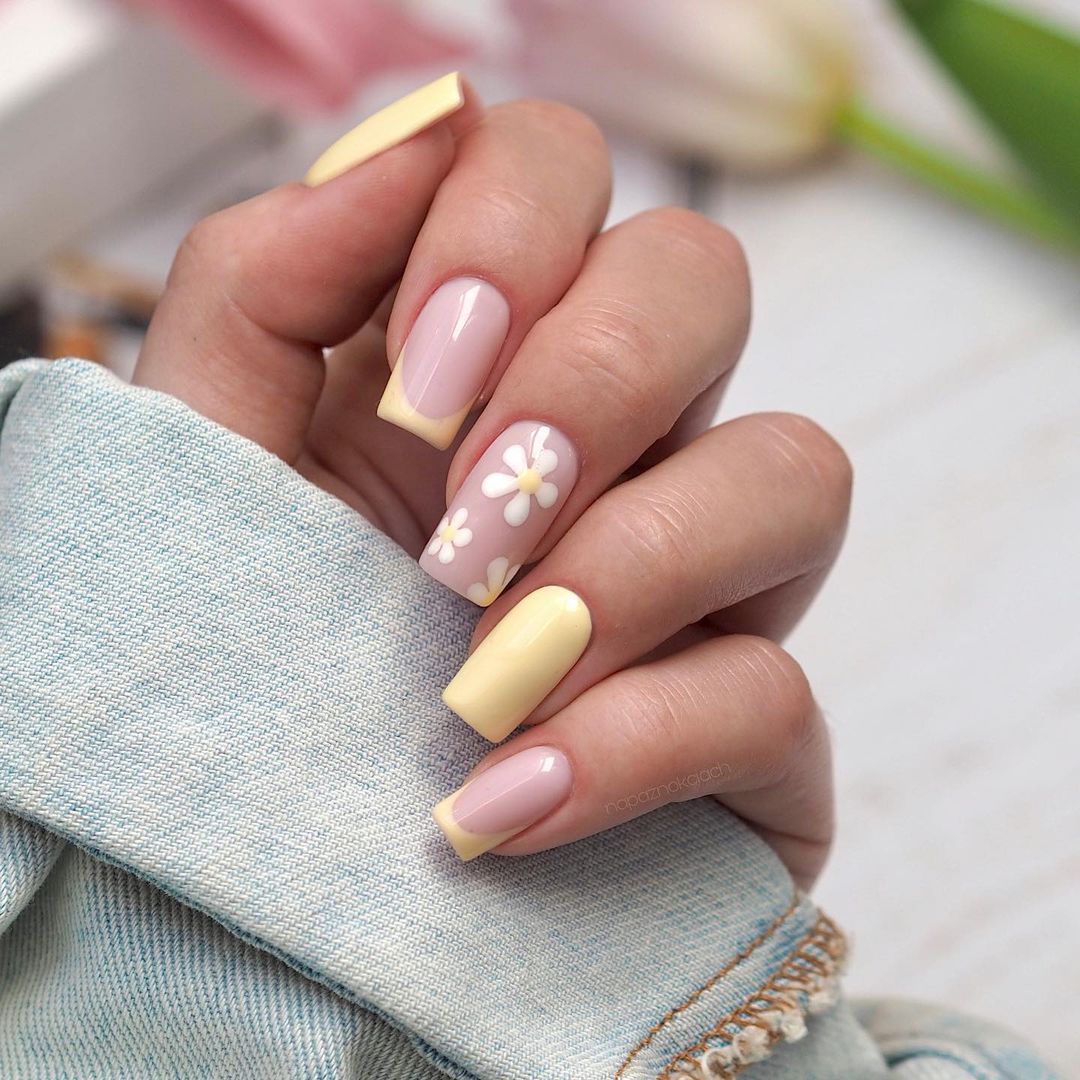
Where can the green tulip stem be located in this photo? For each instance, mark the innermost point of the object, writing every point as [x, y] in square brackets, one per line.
[860, 125]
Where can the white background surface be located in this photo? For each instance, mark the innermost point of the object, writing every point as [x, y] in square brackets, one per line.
[945, 355]
[947, 359]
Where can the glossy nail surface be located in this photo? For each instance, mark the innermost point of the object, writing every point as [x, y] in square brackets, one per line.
[401, 120]
[445, 360]
[521, 661]
[504, 800]
[502, 510]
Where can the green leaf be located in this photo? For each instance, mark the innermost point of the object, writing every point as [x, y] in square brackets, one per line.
[1019, 207]
[1022, 74]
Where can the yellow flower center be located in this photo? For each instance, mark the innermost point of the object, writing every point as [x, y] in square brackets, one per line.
[529, 481]
[447, 535]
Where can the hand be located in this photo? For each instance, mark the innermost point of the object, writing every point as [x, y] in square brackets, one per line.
[680, 554]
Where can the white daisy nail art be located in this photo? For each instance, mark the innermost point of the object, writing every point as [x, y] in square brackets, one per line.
[499, 575]
[525, 479]
[449, 536]
[502, 509]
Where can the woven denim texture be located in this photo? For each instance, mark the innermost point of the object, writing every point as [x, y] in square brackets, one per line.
[929, 1042]
[107, 977]
[224, 682]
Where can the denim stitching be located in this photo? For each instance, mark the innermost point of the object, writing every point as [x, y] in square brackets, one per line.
[670, 1015]
[807, 983]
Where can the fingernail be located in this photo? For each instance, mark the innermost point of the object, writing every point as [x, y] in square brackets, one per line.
[502, 511]
[403, 119]
[504, 800]
[445, 360]
[521, 661]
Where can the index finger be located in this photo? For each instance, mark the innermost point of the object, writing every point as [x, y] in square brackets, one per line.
[505, 238]
[258, 290]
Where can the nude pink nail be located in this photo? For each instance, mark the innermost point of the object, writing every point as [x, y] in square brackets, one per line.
[504, 800]
[502, 511]
[447, 357]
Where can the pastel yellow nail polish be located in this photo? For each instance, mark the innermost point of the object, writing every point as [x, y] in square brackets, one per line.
[403, 119]
[521, 661]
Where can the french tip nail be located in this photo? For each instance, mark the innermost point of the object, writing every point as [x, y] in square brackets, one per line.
[450, 351]
[395, 124]
[504, 800]
[467, 846]
[394, 408]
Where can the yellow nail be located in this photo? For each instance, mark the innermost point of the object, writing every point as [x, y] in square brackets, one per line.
[521, 661]
[406, 117]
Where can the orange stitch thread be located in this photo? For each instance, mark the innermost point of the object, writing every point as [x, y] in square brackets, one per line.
[824, 935]
[734, 962]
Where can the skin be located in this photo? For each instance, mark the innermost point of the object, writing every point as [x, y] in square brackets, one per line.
[624, 340]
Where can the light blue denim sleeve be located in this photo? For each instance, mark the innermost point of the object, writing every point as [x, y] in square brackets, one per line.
[930, 1042]
[221, 685]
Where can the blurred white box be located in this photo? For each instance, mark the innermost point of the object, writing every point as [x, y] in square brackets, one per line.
[97, 107]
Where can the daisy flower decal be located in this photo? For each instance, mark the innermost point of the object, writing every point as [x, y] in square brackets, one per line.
[525, 481]
[499, 574]
[449, 536]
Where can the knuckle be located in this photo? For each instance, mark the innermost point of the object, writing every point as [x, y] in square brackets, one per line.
[209, 247]
[712, 265]
[616, 345]
[654, 529]
[777, 675]
[203, 242]
[716, 248]
[804, 447]
[508, 211]
[559, 121]
[656, 711]
[668, 717]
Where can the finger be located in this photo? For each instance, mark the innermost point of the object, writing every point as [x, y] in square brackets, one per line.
[258, 290]
[505, 238]
[379, 470]
[698, 417]
[734, 515]
[656, 315]
[775, 612]
[458, 123]
[732, 717]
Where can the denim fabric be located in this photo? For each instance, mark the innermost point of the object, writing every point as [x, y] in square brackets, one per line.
[222, 686]
[924, 1042]
[107, 977]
